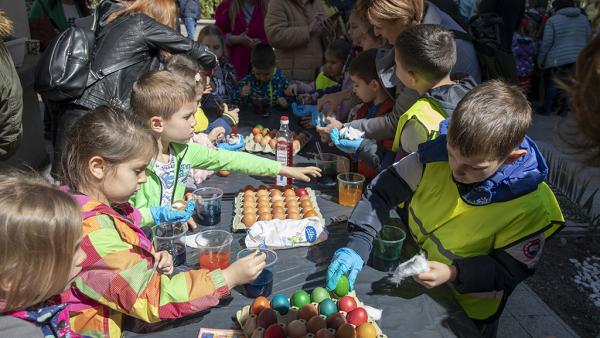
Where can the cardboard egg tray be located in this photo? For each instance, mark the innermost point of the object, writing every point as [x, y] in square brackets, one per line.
[249, 325]
[253, 147]
[238, 226]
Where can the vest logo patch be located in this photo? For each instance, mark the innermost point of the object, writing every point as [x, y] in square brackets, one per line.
[532, 248]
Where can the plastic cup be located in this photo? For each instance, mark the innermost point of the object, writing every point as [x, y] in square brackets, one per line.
[208, 205]
[387, 248]
[214, 249]
[350, 187]
[169, 237]
[260, 105]
[331, 165]
[263, 284]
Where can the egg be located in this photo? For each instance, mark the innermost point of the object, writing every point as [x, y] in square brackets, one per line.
[327, 307]
[267, 316]
[318, 295]
[289, 192]
[296, 145]
[278, 203]
[263, 205]
[345, 331]
[296, 329]
[263, 198]
[280, 303]
[304, 197]
[259, 304]
[310, 213]
[278, 210]
[262, 192]
[274, 331]
[336, 320]
[249, 194]
[292, 204]
[249, 220]
[316, 323]
[308, 310]
[288, 199]
[325, 333]
[258, 138]
[249, 210]
[279, 215]
[366, 330]
[265, 216]
[264, 209]
[273, 143]
[306, 204]
[255, 131]
[249, 203]
[357, 316]
[179, 205]
[265, 141]
[293, 214]
[301, 192]
[275, 192]
[347, 304]
[265, 131]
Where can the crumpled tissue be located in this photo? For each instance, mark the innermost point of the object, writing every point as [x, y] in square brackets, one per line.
[413, 266]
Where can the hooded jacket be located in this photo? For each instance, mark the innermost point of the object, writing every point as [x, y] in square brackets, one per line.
[445, 97]
[566, 33]
[11, 96]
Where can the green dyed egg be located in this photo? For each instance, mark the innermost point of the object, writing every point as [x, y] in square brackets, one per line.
[343, 287]
[300, 298]
[318, 295]
[327, 307]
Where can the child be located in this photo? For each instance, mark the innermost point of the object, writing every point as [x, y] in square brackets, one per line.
[188, 68]
[167, 103]
[40, 231]
[425, 55]
[376, 102]
[223, 78]
[525, 51]
[479, 207]
[265, 80]
[104, 163]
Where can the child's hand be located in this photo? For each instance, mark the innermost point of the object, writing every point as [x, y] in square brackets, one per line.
[245, 90]
[191, 223]
[291, 90]
[306, 122]
[438, 274]
[282, 102]
[305, 98]
[216, 134]
[245, 269]
[324, 132]
[300, 173]
[234, 113]
[163, 262]
[207, 88]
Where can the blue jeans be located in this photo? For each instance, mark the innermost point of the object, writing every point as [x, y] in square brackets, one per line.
[190, 27]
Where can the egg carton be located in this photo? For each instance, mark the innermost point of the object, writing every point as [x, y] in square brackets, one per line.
[248, 321]
[238, 226]
[253, 147]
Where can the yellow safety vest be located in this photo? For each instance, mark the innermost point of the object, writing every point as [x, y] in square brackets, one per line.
[448, 228]
[426, 113]
[201, 120]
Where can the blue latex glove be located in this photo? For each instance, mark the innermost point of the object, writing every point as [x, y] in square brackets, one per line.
[317, 119]
[347, 146]
[345, 261]
[166, 214]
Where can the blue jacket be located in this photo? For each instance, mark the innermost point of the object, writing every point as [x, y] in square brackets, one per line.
[189, 9]
[565, 35]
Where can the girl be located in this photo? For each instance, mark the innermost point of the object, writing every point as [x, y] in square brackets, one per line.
[243, 22]
[40, 230]
[223, 79]
[104, 164]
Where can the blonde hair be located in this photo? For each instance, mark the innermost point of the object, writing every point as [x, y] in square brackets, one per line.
[163, 11]
[408, 12]
[40, 228]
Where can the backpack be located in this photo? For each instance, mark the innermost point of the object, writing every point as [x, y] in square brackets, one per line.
[484, 33]
[63, 71]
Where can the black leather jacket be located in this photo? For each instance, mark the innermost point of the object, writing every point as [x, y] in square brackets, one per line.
[132, 37]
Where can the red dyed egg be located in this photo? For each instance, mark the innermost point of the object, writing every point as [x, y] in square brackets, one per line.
[259, 304]
[296, 329]
[301, 192]
[347, 304]
[345, 331]
[336, 320]
[267, 317]
[274, 331]
[357, 316]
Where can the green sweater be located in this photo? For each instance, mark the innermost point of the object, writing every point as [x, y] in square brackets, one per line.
[56, 14]
[196, 156]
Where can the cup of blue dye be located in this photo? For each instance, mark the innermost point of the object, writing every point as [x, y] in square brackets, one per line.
[263, 284]
[208, 205]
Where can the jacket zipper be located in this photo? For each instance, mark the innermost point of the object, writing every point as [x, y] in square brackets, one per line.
[177, 174]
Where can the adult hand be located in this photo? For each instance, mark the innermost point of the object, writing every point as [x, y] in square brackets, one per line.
[438, 274]
[163, 262]
[291, 90]
[347, 146]
[243, 39]
[245, 269]
[282, 102]
[245, 90]
[300, 173]
[166, 214]
[344, 261]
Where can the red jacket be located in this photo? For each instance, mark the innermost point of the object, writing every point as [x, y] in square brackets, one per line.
[239, 55]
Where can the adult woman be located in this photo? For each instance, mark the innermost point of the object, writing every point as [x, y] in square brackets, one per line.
[243, 23]
[128, 45]
[389, 18]
[294, 29]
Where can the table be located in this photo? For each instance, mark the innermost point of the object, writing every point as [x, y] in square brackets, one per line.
[408, 311]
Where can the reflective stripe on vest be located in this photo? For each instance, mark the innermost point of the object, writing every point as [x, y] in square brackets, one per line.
[426, 113]
[448, 228]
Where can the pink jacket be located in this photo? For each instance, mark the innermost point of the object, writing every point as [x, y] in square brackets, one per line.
[239, 55]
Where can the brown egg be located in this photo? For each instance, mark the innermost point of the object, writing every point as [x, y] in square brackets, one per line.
[249, 194]
[306, 204]
[346, 331]
[278, 203]
[258, 138]
[273, 143]
[279, 215]
[265, 216]
[290, 198]
[292, 204]
[289, 192]
[249, 203]
[275, 192]
[278, 210]
[296, 329]
[308, 311]
[263, 208]
[277, 198]
[293, 214]
[263, 204]
[263, 198]
[249, 220]
[262, 192]
[249, 210]
[304, 198]
[335, 320]
[265, 141]
[310, 213]
[325, 333]
[308, 207]
[316, 323]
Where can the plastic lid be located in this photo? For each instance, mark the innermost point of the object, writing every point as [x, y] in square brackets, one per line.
[284, 118]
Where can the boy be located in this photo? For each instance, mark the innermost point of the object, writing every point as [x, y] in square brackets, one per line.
[425, 55]
[478, 207]
[265, 80]
[168, 103]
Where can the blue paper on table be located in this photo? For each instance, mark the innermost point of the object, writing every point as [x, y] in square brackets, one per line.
[226, 146]
[303, 110]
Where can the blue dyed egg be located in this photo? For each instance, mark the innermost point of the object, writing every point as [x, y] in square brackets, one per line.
[280, 303]
[327, 307]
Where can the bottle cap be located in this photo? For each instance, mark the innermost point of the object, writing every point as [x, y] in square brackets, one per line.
[284, 118]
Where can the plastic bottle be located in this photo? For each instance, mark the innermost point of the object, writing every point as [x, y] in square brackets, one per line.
[285, 151]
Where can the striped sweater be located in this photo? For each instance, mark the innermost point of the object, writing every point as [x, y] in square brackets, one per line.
[118, 276]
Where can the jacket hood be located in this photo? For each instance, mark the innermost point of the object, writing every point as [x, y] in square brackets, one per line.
[6, 25]
[509, 182]
[569, 11]
[448, 96]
